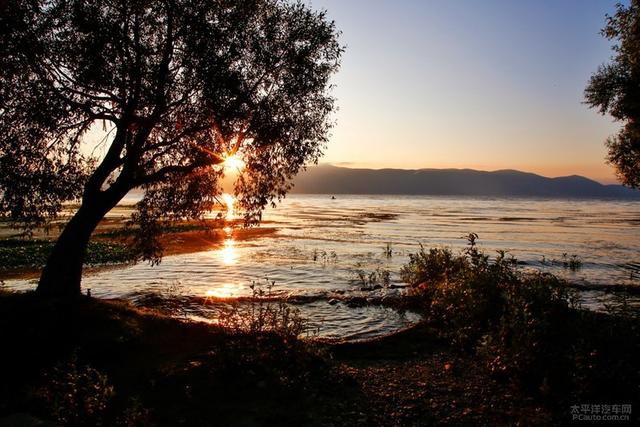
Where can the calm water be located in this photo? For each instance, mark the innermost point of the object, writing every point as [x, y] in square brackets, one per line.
[322, 247]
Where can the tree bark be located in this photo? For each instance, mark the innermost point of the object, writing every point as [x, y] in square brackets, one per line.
[62, 274]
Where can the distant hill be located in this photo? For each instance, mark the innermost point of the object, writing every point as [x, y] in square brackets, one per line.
[326, 179]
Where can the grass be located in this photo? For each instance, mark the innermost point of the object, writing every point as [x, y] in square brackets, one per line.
[376, 279]
[106, 247]
[19, 253]
[262, 315]
[573, 262]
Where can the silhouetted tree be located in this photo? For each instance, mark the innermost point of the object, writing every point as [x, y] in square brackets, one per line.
[177, 85]
[615, 89]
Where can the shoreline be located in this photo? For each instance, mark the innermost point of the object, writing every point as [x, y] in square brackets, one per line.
[166, 371]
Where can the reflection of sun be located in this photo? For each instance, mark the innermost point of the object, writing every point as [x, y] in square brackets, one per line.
[229, 254]
[233, 163]
[228, 290]
[229, 200]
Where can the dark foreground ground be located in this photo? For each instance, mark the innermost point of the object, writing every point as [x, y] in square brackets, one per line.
[93, 362]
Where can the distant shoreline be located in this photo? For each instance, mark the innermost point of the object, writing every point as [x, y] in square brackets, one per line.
[333, 180]
[463, 196]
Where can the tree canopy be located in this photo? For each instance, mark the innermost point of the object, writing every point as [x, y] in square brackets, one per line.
[176, 85]
[615, 89]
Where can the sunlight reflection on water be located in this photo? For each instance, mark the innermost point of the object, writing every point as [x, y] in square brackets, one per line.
[229, 202]
[228, 252]
[226, 290]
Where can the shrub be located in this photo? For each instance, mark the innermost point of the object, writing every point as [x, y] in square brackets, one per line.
[78, 395]
[263, 315]
[513, 318]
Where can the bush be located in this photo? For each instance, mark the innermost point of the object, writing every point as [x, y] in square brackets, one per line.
[513, 318]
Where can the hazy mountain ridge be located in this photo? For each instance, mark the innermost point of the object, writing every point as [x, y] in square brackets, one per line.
[328, 179]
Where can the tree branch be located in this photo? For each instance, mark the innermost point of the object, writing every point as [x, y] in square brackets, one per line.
[162, 173]
[60, 75]
[110, 163]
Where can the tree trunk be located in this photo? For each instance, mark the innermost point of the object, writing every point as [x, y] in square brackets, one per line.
[63, 272]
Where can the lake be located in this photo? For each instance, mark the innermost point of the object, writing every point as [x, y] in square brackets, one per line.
[324, 249]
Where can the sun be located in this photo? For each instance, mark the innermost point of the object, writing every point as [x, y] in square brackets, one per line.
[233, 163]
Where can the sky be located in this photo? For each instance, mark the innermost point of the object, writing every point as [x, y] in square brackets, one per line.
[487, 85]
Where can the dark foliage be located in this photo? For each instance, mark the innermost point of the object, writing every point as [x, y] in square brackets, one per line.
[84, 361]
[615, 89]
[526, 325]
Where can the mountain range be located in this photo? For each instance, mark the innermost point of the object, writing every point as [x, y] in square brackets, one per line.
[328, 179]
